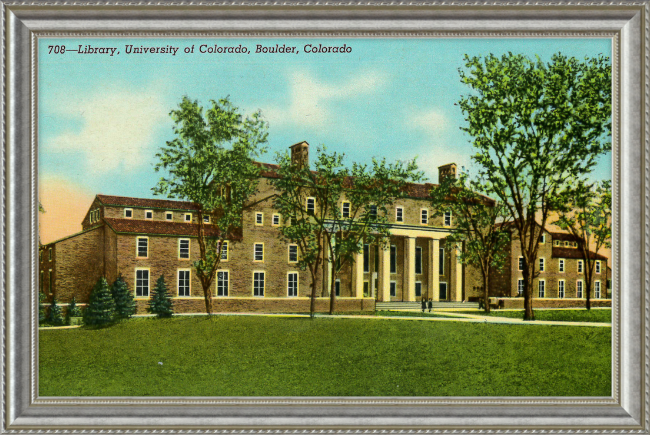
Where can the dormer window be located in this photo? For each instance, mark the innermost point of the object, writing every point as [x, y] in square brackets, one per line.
[128, 213]
[148, 214]
[557, 243]
[169, 215]
[188, 217]
[566, 244]
[206, 219]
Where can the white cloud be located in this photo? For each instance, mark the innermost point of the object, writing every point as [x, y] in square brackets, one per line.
[118, 128]
[432, 121]
[310, 98]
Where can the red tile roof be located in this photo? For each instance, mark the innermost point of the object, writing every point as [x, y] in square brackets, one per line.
[143, 202]
[564, 237]
[574, 253]
[139, 226]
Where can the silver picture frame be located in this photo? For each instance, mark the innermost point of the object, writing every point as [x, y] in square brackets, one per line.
[626, 411]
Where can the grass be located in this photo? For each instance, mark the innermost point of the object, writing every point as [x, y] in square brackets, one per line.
[266, 356]
[599, 316]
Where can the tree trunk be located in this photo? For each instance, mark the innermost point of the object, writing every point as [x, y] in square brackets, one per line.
[486, 293]
[332, 290]
[207, 296]
[312, 302]
[528, 295]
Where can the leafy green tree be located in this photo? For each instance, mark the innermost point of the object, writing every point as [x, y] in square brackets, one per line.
[124, 302]
[538, 128]
[72, 311]
[325, 233]
[478, 225]
[210, 162]
[54, 316]
[101, 307]
[587, 216]
[161, 303]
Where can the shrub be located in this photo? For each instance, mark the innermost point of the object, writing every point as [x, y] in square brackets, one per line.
[101, 307]
[41, 308]
[54, 316]
[124, 303]
[161, 302]
[72, 311]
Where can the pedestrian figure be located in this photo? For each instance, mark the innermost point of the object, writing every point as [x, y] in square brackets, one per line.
[430, 304]
[424, 304]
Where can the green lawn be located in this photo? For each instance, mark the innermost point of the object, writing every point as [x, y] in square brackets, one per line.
[599, 315]
[266, 356]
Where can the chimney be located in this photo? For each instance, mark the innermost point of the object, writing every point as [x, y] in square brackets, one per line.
[300, 154]
[445, 171]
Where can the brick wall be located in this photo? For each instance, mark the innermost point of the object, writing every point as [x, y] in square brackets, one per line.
[554, 303]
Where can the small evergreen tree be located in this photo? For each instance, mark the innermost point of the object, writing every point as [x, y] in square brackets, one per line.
[101, 307]
[41, 308]
[54, 316]
[72, 311]
[161, 302]
[124, 303]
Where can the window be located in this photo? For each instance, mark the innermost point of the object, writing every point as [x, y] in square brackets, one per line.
[418, 260]
[542, 239]
[183, 283]
[366, 289]
[206, 219]
[393, 288]
[541, 285]
[142, 283]
[169, 215]
[148, 214]
[345, 209]
[258, 283]
[580, 266]
[224, 251]
[560, 288]
[521, 263]
[376, 258]
[49, 281]
[276, 220]
[399, 214]
[561, 265]
[597, 266]
[520, 287]
[541, 265]
[441, 263]
[566, 244]
[373, 212]
[579, 286]
[557, 243]
[292, 284]
[128, 213]
[597, 289]
[337, 287]
[142, 249]
[184, 248]
[418, 289]
[424, 216]
[393, 259]
[258, 252]
[49, 254]
[259, 219]
[366, 258]
[188, 217]
[447, 219]
[311, 205]
[223, 281]
[293, 253]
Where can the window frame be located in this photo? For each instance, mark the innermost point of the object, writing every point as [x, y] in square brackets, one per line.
[598, 267]
[373, 211]
[447, 219]
[343, 212]
[185, 217]
[49, 254]
[297, 275]
[566, 244]
[580, 285]
[424, 216]
[275, 216]
[542, 264]
[206, 219]
[541, 288]
[366, 258]
[135, 283]
[561, 289]
[542, 239]
[441, 261]
[289, 260]
[259, 219]
[178, 282]
[399, 214]
[580, 266]
[263, 274]
[557, 243]
[561, 265]
[598, 285]
[366, 284]
[520, 283]
[49, 282]
[393, 259]
[227, 252]
[418, 260]
[255, 245]
[129, 210]
[145, 215]
[520, 263]
[418, 284]
[227, 272]
[313, 204]
[169, 216]
[181, 240]
[137, 247]
[393, 289]
[337, 287]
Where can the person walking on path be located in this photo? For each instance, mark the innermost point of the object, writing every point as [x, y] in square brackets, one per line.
[430, 304]
[424, 304]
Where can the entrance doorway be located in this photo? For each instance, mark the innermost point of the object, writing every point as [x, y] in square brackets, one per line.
[443, 291]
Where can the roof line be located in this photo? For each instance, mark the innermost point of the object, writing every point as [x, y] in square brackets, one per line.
[73, 235]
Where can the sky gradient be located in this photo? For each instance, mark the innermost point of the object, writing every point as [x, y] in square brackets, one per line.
[102, 118]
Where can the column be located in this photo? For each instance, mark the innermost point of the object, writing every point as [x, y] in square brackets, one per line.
[357, 275]
[434, 269]
[459, 276]
[409, 268]
[383, 283]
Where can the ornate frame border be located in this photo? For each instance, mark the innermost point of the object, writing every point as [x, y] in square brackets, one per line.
[626, 23]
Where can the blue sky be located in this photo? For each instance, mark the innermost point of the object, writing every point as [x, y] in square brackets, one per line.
[102, 118]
